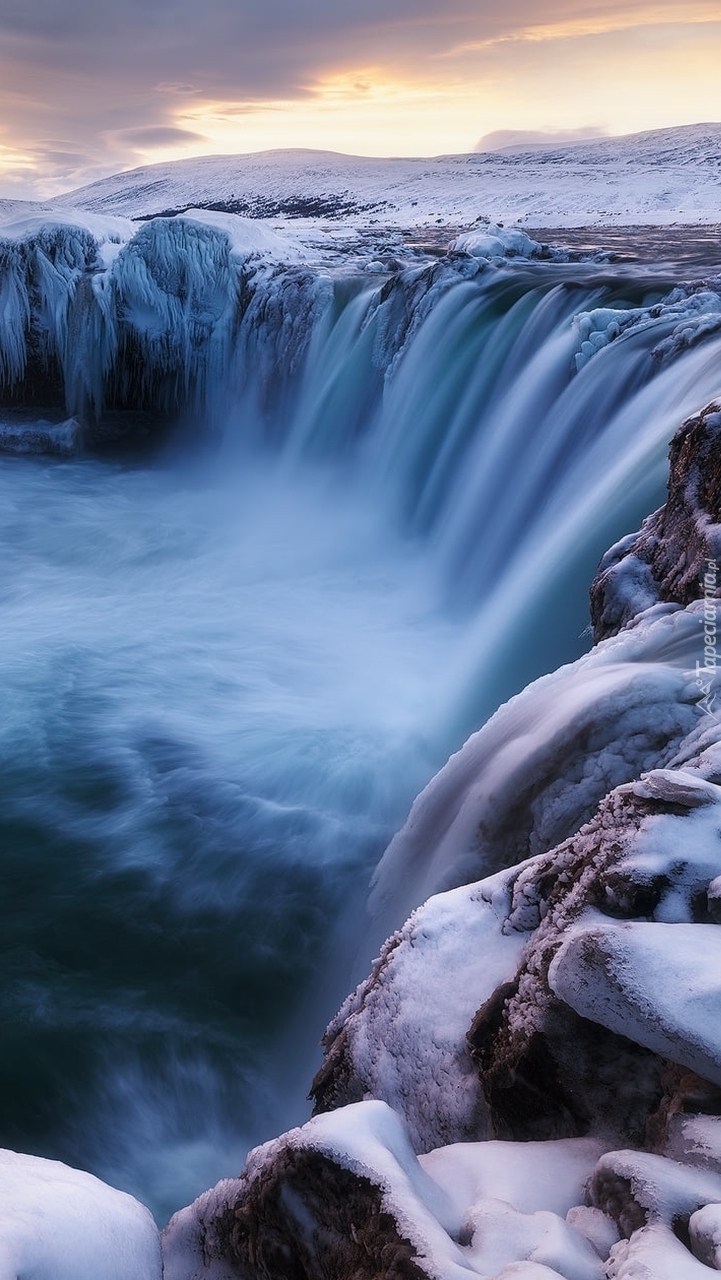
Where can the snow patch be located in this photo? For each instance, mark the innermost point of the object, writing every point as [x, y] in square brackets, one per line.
[59, 1224]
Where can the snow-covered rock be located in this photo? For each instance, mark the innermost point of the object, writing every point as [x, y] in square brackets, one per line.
[705, 1235]
[638, 1187]
[345, 1195]
[619, 975]
[654, 1253]
[493, 242]
[401, 1036]
[59, 1224]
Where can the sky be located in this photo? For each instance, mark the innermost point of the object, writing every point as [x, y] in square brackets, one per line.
[90, 87]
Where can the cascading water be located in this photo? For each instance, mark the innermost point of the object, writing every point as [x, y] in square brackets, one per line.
[230, 664]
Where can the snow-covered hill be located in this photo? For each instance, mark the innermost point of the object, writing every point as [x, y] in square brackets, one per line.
[660, 177]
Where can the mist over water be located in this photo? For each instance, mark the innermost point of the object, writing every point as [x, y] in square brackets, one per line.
[216, 700]
[229, 667]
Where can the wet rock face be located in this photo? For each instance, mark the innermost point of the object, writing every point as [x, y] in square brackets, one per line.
[668, 560]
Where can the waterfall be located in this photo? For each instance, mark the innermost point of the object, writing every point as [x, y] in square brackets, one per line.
[233, 656]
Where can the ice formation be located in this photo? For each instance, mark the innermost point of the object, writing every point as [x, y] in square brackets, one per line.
[105, 313]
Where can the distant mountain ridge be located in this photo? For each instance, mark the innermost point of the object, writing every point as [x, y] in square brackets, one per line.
[660, 176]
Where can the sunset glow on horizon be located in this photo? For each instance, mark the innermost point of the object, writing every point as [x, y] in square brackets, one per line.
[88, 91]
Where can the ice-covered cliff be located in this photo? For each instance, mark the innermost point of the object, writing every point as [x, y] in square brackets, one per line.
[527, 1083]
[99, 315]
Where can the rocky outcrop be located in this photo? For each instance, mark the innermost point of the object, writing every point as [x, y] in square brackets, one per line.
[676, 555]
[571, 1000]
[401, 1036]
[325, 1201]
[345, 1197]
[60, 439]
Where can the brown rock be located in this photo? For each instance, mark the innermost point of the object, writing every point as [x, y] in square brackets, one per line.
[669, 557]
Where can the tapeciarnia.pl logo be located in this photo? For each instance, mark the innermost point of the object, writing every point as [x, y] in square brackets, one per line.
[706, 670]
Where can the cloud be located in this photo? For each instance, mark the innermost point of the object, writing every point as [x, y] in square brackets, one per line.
[117, 77]
[153, 136]
[268, 49]
[502, 138]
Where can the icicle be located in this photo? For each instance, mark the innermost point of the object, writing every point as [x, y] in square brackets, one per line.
[14, 314]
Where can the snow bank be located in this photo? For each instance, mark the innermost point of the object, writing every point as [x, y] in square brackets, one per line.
[102, 227]
[506, 1243]
[59, 1224]
[529, 1176]
[250, 237]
